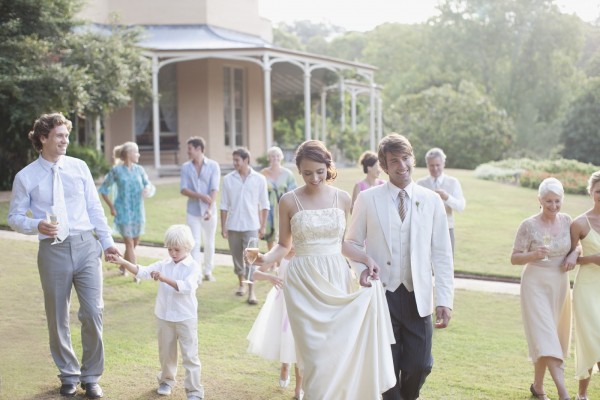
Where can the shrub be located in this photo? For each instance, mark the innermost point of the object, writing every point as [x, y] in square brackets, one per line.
[530, 173]
[92, 157]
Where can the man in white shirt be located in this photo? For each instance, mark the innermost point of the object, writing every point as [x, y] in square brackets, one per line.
[62, 187]
[244, 208]
[200, 178]
[446, 186]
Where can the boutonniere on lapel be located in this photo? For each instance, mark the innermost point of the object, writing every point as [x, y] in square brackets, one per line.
[417, 204]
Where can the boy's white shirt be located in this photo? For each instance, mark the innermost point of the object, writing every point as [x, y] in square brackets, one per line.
[172, 305]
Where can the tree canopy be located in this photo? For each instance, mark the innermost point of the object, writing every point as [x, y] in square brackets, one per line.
[49, 62]
[581, 129]
[524, 57]
[464, 122]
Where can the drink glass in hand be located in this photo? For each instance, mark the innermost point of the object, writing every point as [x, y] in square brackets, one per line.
[54, 221]
[251, 256]
[547, 239]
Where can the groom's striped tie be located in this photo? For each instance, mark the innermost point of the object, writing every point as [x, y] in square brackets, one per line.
[401, 207]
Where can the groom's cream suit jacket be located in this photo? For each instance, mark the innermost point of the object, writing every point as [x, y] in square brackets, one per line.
[370, 229]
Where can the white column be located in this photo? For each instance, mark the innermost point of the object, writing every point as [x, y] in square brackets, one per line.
[155, 113]
[353, 110]
[307, 121]
[343, 104]
[316, 127]
[379, 118]
[98, 147]
[323, 116]
[268, 105]
[372, 114]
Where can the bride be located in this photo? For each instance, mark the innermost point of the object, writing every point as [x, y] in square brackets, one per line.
[343, 333]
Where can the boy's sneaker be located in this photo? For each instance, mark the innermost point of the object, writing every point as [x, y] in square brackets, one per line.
[164, 389]
[193, 397]
[209, 278]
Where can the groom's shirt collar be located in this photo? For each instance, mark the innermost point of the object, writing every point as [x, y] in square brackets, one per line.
[393, 190]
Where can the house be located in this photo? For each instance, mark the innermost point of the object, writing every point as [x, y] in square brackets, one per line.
[217, 72]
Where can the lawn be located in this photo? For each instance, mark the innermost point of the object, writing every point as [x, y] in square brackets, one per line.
[484, 231]
[482, 354]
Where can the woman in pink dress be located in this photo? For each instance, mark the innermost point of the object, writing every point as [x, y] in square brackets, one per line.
[370, 166]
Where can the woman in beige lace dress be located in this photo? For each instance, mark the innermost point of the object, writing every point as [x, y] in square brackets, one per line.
[543, 245]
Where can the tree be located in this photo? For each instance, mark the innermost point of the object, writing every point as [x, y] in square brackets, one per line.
[42, 70]
[522, 52]
[580, 135]
[312, 37]
[282, 37]
[463, 122]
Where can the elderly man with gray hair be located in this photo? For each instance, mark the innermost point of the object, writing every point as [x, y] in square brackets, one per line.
[447, 187]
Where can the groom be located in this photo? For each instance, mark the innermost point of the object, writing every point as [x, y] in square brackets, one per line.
[403, 228]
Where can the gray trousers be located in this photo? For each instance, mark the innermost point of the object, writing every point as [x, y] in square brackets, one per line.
[238, 240]
[74, 263]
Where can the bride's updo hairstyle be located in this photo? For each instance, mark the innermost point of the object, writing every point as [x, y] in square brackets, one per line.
[316, 151]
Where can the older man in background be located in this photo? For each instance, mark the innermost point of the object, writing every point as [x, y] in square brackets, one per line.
[446, 186]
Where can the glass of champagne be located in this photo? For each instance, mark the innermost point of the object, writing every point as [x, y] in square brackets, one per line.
[547, 239]
[251, 255]
[54, 221]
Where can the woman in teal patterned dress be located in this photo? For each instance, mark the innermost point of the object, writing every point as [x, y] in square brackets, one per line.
[279, 181]
[128, 183]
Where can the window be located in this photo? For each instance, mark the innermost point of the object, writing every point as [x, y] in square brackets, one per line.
[234, 107]
[167, 107]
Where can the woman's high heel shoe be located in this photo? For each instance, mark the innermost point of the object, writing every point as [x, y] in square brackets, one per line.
[540, 396]
[284, 382]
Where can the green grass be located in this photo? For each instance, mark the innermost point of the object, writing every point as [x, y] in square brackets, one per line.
[484, 231]
[481, 355]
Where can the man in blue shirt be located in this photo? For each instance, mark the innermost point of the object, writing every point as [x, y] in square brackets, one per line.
[59, 187]
[200, 183]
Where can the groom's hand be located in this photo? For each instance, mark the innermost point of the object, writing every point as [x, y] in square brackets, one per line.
[364, 278]
[442, 317]
[372, 272]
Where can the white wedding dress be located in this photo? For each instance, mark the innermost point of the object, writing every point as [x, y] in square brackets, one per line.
[271, 336]
[343, 333]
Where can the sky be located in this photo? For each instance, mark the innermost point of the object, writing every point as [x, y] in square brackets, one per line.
[366, 15]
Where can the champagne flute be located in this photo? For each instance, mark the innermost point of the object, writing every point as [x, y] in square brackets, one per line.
[251, 256]
[547, 240]
[53, 218]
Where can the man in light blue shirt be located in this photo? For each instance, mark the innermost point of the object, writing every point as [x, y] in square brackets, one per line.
[74, 261]
[200, 183]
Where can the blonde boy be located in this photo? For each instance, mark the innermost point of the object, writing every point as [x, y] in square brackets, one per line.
[176, 310]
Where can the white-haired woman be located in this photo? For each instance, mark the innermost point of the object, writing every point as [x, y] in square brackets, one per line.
[543, 245]
[279, 181]
[128, 183]
[586, 300]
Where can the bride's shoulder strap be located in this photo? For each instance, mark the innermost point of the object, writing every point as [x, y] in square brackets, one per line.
[335, 198]
[297, 200]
